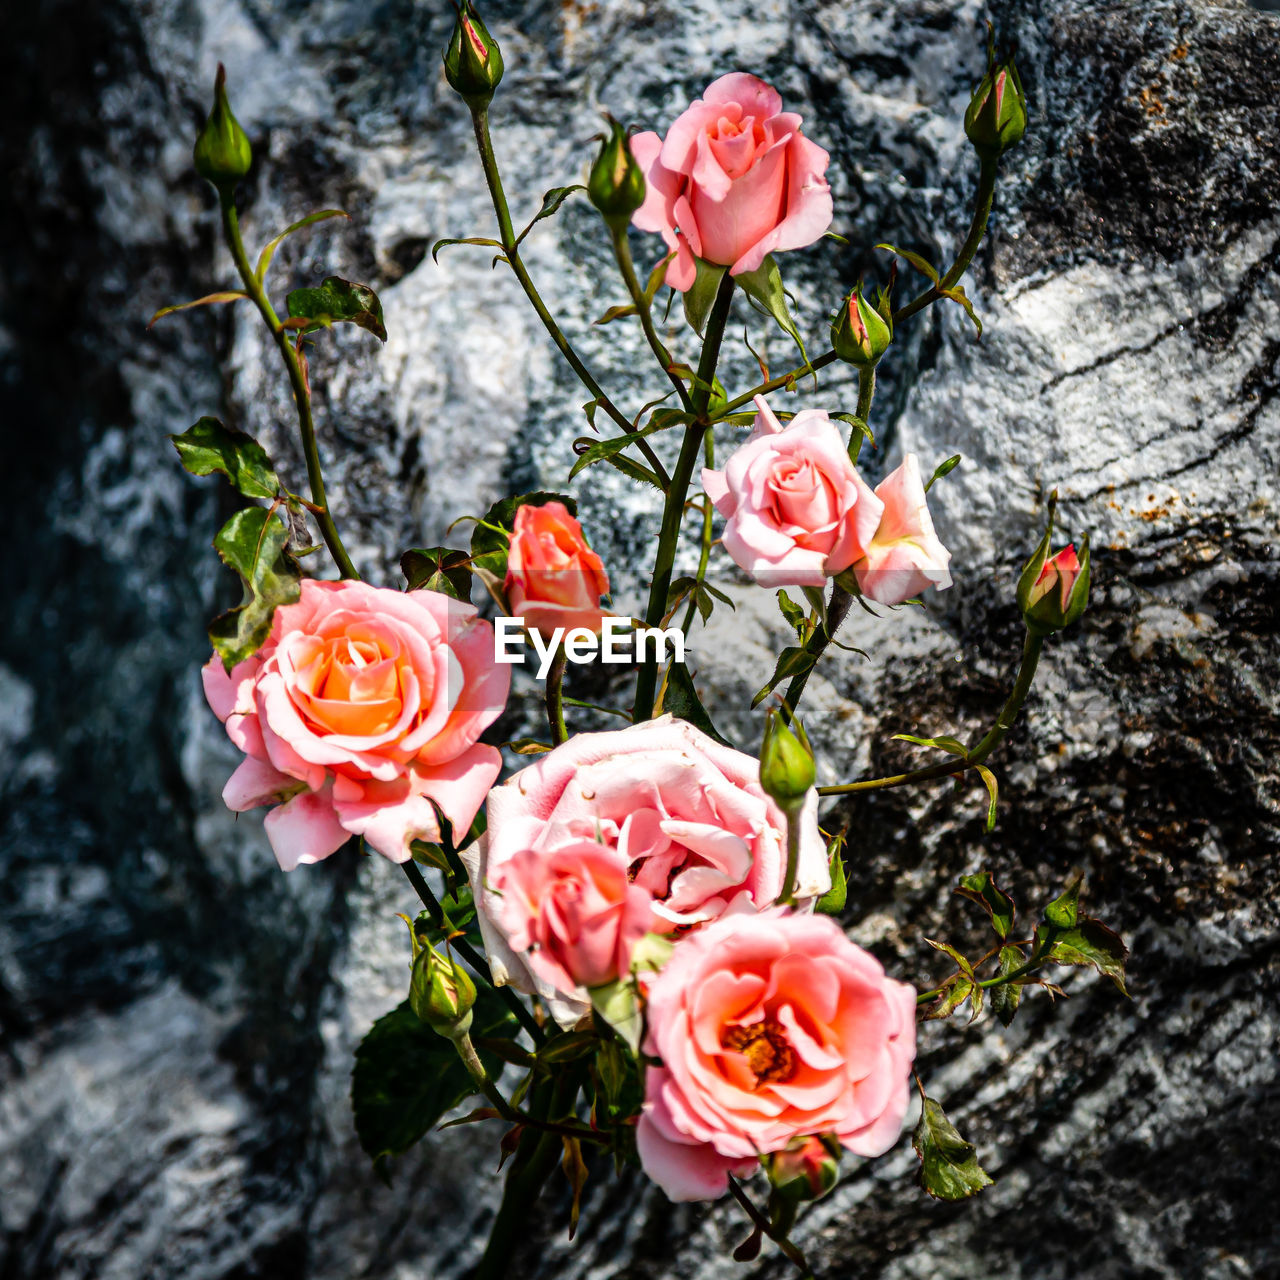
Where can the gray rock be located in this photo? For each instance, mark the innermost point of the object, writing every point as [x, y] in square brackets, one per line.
[177, 1017]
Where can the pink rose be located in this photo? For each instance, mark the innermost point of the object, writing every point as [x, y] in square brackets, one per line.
[905, 555]
[553, 578]
[359, 716]
[1059, 573]
[572, 912]
[733, 180]
[684, 816]
[798, 511]
[770, 1027]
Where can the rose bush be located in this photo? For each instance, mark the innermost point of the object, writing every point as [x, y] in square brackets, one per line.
[685, 818]
[733, 180]
[770, 1026]
[798, 512]
[553, 578]
[904, 556]
[359, 716]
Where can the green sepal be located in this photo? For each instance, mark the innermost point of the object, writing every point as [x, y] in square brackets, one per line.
[701, 295]
[210, 447]
[680, 699]
[765, 289]
[832, 903]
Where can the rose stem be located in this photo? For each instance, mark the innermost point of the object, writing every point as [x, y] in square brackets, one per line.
[1038, 960]
[782, 380]
[470, 954]
[506, 233]
[673, 509]
[708, 510]
[759, 1220]
[788, 895]
[298, 380]
[555, 697]
[1031, 648]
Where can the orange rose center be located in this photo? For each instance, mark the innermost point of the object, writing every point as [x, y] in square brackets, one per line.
[765, 1046]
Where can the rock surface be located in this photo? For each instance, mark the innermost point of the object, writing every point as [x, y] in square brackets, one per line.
[177, 1017]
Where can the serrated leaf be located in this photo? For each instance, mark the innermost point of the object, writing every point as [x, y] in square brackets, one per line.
[949, 1169]
[968, 978]
[993, 791]
[833, 901]
[437, 569]
[481, 240]
[791, 662]
[944, 469]
[488, 546]
[952, 746]
[551, 203]
[227, 295]
[338, 301]
[255, 544]
[592, 451]
[983, 890]
[210, 447]
[680, 698]
[1064, 910]
[920, 264]
[954, 994]
[793, 613]
[699, 299]
[1092, 943]
[764, 287]
[269, 249]
[1006, 997]
[957, 294]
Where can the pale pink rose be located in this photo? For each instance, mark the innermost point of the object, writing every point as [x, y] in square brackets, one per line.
[684, 815]
[553, 578]
[905, 555]
[359, 715]
[798, 511]
[733, 180]
[770, 1027]
[572, 912]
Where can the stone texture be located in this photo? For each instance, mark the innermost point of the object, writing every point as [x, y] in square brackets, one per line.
[177, 1017]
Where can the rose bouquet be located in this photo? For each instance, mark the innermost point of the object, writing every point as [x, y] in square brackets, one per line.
[629, 946]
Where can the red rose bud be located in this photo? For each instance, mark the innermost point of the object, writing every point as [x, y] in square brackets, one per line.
[806, 1169]
[441, 993]
[616, 186]
[1054, 590]
[222, 152]
[997, 114]
[860, 334]
[473, 61]
[787, 771]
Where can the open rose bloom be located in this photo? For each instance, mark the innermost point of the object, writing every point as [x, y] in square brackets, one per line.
[682, 818]
[360, 715]
[904, 557]
[733, 181]
[797, 510]
[770, 1026]
[553, 578]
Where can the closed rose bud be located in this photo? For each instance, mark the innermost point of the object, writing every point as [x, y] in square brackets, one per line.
[860, 334]
[441, 993]
[787, 771]
[222, 152]
[616, 185]
[553, 578]
[805, 1169]
[473, 61]
[997, 114]
[1054, 590]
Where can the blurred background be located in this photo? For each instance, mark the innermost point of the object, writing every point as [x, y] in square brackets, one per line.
[177, 1016]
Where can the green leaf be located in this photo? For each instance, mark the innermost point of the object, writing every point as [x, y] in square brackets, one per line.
[617, 1003]
[949, 1169]
[699, 299]
[209, 446]
[968, 978]
[957, 294]
[592, 451]
[983, 890]
[950, 745]
[680, 698]
[954, 994]
[1006, 996]
[227, 295]
[444, 244]
[993, 790]
[943, 469]
[337, 301]
[551, 203]
[861, 434]
[459, 911]
[406, 1076]
[616, 313]
[920, 264]
[255, 544]
[437, 569]
[764, 287]
[269, 249]
[488, 546]
[1063, 911]
[791, 662]
[1091, 943]
[833, 901]
[793, 613]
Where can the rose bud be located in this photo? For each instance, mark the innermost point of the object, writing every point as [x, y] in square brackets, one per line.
[997, 114]
[805, 1169]
[616, 186]
[553, 578]
[1054, 590]
[787, 770]
[222, 152]
[441, 993]
[860, 334]
[473, 61]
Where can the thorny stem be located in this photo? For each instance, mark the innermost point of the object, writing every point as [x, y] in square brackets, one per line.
[708, 510]
[555, 697]
[506, 233]
[1031, 648]
[298, 380]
